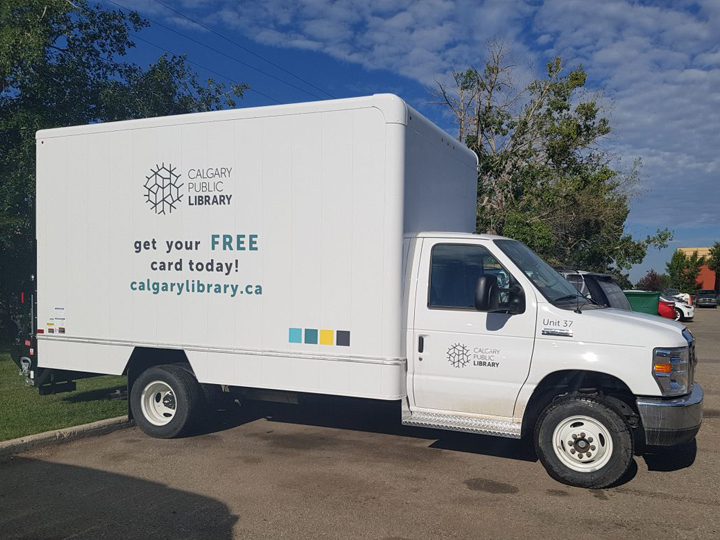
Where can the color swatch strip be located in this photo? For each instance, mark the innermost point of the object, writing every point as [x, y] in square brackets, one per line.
[314, 336]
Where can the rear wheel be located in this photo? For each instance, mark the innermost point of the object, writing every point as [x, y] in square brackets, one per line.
[584, 441]
[166, 401]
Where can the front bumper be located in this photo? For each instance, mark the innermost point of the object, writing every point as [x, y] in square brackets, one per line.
[671, 421]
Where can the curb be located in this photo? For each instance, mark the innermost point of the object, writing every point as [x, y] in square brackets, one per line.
[60, 436]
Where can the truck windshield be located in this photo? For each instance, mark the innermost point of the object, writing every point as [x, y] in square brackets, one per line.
[552, 285]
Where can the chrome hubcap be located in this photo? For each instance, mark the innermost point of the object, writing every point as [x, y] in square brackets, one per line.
[582, 443]
[158, 404]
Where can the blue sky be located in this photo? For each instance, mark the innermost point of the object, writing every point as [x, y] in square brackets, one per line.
[657, 64]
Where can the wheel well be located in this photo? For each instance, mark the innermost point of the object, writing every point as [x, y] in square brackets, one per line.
[143, 358]
[562, 383]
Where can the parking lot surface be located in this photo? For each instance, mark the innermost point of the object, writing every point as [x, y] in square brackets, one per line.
[347, 469]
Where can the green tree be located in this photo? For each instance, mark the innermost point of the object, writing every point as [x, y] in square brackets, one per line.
[652, 281]
[675, 268]
[683, 271]
[543, 177]
[623, 280]
[61, 64]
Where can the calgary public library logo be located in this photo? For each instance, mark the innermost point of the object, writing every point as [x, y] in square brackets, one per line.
[458, 355]
[162, 188]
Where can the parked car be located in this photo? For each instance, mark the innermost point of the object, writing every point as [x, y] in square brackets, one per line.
[601, 288]
[707, 298]
[683, 311]
[666, 308]
[675, 293]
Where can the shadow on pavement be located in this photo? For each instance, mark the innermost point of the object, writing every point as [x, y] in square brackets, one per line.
[521, 450]
[374, 417]
[224, 416]
[384, 417]
[672, 458]
[42, 500]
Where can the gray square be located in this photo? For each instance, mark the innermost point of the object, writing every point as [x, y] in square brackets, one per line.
[342, 338]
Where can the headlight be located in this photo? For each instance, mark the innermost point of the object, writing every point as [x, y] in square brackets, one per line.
[671, 369]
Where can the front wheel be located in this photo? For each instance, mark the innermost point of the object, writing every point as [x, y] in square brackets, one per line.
[678, 315]
[584, 442]
[166, 401]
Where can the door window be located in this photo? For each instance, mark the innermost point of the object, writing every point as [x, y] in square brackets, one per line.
[455, 269]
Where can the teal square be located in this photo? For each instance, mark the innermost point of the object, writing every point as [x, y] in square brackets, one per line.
[311, 336]
[296, 335]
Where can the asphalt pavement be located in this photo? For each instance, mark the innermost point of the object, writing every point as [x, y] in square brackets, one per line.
[347, 469]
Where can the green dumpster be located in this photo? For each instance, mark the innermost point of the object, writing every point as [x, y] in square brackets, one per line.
[644, 301]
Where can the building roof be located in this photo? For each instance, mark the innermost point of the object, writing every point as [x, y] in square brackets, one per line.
[702, 251]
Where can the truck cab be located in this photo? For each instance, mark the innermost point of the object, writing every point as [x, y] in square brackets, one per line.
[500, 343]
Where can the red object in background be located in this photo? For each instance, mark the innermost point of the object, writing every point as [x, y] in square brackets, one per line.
[666, 309]
[706, 278]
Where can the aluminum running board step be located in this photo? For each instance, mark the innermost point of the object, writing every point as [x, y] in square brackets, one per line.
[461, 423]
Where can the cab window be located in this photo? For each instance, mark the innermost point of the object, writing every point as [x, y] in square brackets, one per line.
[454, 271]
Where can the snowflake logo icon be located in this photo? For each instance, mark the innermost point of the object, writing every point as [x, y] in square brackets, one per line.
[458, 355]
[162, 189]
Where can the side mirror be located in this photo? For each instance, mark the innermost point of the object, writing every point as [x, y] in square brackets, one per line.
[516, 303]
[487, 294]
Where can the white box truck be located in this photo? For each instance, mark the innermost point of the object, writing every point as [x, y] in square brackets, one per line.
[328, 248]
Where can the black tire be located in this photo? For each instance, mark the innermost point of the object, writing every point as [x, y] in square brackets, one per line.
[679, 315]
[213, 396]
[558, 413]
[188, 401]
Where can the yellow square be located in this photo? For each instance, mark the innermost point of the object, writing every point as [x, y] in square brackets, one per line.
[326, 337]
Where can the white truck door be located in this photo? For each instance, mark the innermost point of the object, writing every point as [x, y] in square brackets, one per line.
[463, 360]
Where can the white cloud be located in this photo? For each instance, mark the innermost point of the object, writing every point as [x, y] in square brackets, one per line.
[661, 67]
[419, 40]
[659, 64]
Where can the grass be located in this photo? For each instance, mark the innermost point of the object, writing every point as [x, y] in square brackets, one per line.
[24, 412]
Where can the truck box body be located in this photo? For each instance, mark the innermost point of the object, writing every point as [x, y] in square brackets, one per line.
[265, 243]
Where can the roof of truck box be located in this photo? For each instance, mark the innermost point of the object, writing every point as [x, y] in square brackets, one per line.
[456, 235]
[393, 108]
